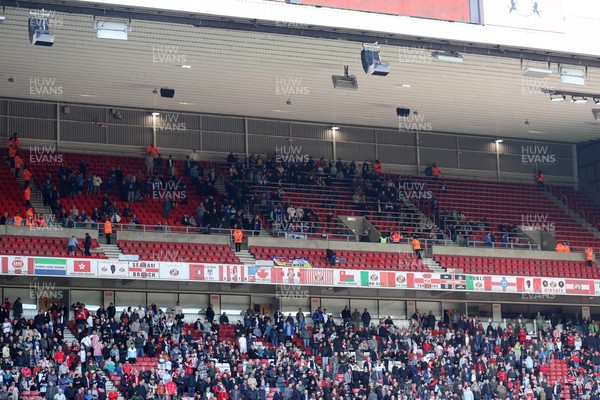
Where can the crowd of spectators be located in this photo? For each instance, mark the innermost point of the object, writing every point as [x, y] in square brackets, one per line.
[350, 356]
[373, 193]
[162, 182]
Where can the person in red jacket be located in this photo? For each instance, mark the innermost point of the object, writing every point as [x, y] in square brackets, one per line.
[113, 394]
[171, 388]
[59, 356]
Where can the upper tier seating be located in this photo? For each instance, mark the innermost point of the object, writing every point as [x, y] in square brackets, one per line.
[337, 200]
[349, 259]
[579, 202]
[518, 266]
[180, 252]
[13, 200]
[508, 203]
[42, 246]
[149, 212]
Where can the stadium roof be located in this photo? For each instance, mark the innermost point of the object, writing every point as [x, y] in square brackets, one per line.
[257, 73]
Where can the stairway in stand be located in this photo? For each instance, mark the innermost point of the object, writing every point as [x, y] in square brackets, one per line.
[558, 370]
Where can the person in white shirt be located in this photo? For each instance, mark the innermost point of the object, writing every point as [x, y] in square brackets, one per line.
[6, 326]
[60, 395]
[243, 344]
[194, 156]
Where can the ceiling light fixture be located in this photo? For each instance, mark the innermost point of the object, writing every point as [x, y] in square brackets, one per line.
[155, 113]
[335, 128]
[499, 140]
[347, 82]
[186, 66]
[532, 72]
[450, 56]
[579, 100]
[572, 76]
[107, 29]
[558, 97]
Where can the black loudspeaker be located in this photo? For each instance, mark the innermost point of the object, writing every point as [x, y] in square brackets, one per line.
[403, 112]
[170, 93]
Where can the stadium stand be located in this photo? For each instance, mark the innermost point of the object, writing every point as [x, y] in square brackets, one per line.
[148, 206]
[518, 266]
[13, 201]
[149, 353]
[580, 203]
[351, 259]
[42, 246]
[505, 203]
[161, 251]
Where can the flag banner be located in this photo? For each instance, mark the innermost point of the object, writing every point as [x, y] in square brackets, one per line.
[233, 273]
[258, 274]
[427, 281]
[387, 279]
[113, 269]
[369, 279]
[453, 282]
[299, 236]
[15, 265]
[404, 279]
[291, 262]
[144, 269]
[552, 286]
[585, 287]
[50, 266]
[503, 284]
[205, 272]
[174, 271]
[478, 283]
[349, 278]
[316, 276]
[77, 267]
[286, 275]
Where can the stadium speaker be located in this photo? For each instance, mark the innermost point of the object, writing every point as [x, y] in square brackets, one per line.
[371, 60]
[402, 112]
[169, 93]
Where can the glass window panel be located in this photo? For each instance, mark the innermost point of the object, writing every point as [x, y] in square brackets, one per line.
[393, 308]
